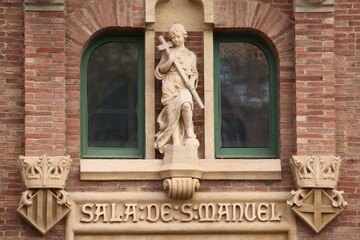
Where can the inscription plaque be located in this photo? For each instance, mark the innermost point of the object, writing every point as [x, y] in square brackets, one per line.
[127, 215]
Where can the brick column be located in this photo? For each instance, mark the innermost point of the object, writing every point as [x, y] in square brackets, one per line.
[44, 78]
[315, 78]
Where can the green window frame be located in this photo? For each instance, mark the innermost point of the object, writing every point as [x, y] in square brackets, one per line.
[271, 150]
[137, 151]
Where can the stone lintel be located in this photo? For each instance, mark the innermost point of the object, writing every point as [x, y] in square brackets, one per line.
[44, 5]
[304, 6]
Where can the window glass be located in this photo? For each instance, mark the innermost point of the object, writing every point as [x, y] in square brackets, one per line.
[112, 98]
[245, 98]
[244, 84]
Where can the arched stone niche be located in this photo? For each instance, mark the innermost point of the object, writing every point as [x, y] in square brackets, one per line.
[163, 13]
[188, 13]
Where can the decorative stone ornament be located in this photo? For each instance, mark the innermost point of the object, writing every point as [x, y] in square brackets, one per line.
[44, 203]
[316, 201]
[44, 172]
[181, 188]
[181, 171]
[315, 171]
[43, 208]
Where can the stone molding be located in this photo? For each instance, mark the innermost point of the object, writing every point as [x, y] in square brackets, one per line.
[44, 5]
[316, 201]
[44, 203]
[313, 6]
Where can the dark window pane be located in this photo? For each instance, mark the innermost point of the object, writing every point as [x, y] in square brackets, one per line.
[112, 96]
[244, 88]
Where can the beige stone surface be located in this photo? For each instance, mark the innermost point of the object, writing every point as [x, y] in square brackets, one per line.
[215, 236]
[174, 11]
[44, 5]
[209, 94]
[149, 92]
[181, 161]
[149, 169]
[236, 215]
[314, 5]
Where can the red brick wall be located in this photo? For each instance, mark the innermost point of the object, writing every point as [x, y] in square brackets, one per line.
[45, 57]
[315, 83]
[11, 115]
[44, 83]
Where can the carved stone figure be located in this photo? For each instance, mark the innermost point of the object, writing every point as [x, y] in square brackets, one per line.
[179, 76]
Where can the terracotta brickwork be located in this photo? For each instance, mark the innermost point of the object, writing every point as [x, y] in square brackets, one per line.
[44, 83]
[319, 93]
[315, 83]
[11, 114]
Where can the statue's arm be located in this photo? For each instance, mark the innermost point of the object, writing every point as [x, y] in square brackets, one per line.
[166, 62]
[158, 73]
[194, 73]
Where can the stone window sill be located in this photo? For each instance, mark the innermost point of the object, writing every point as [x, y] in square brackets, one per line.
[213, 169]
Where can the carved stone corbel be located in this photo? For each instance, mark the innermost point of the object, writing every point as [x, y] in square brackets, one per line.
[316, 201]
[181, 188]
[181, 171]
[44, 203]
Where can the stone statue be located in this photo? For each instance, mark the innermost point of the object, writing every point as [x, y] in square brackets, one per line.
[179, 76]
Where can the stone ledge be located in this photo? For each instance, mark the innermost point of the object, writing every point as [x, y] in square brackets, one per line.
[213, 169]
[44, 5]
[303, 6]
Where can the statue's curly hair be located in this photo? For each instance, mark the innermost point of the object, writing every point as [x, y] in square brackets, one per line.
[178, 28]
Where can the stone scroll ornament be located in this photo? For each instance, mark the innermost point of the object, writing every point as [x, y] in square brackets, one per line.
[316, 200]
[44, 202]
[178, 73]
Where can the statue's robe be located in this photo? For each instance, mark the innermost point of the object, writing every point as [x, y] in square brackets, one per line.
[174, 95]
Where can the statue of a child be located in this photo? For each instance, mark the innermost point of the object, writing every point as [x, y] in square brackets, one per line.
[175, 120]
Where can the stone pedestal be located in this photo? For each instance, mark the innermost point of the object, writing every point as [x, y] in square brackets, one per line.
[181, 171]
[181, 161]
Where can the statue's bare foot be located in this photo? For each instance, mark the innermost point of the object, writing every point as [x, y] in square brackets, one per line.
[193, 142]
